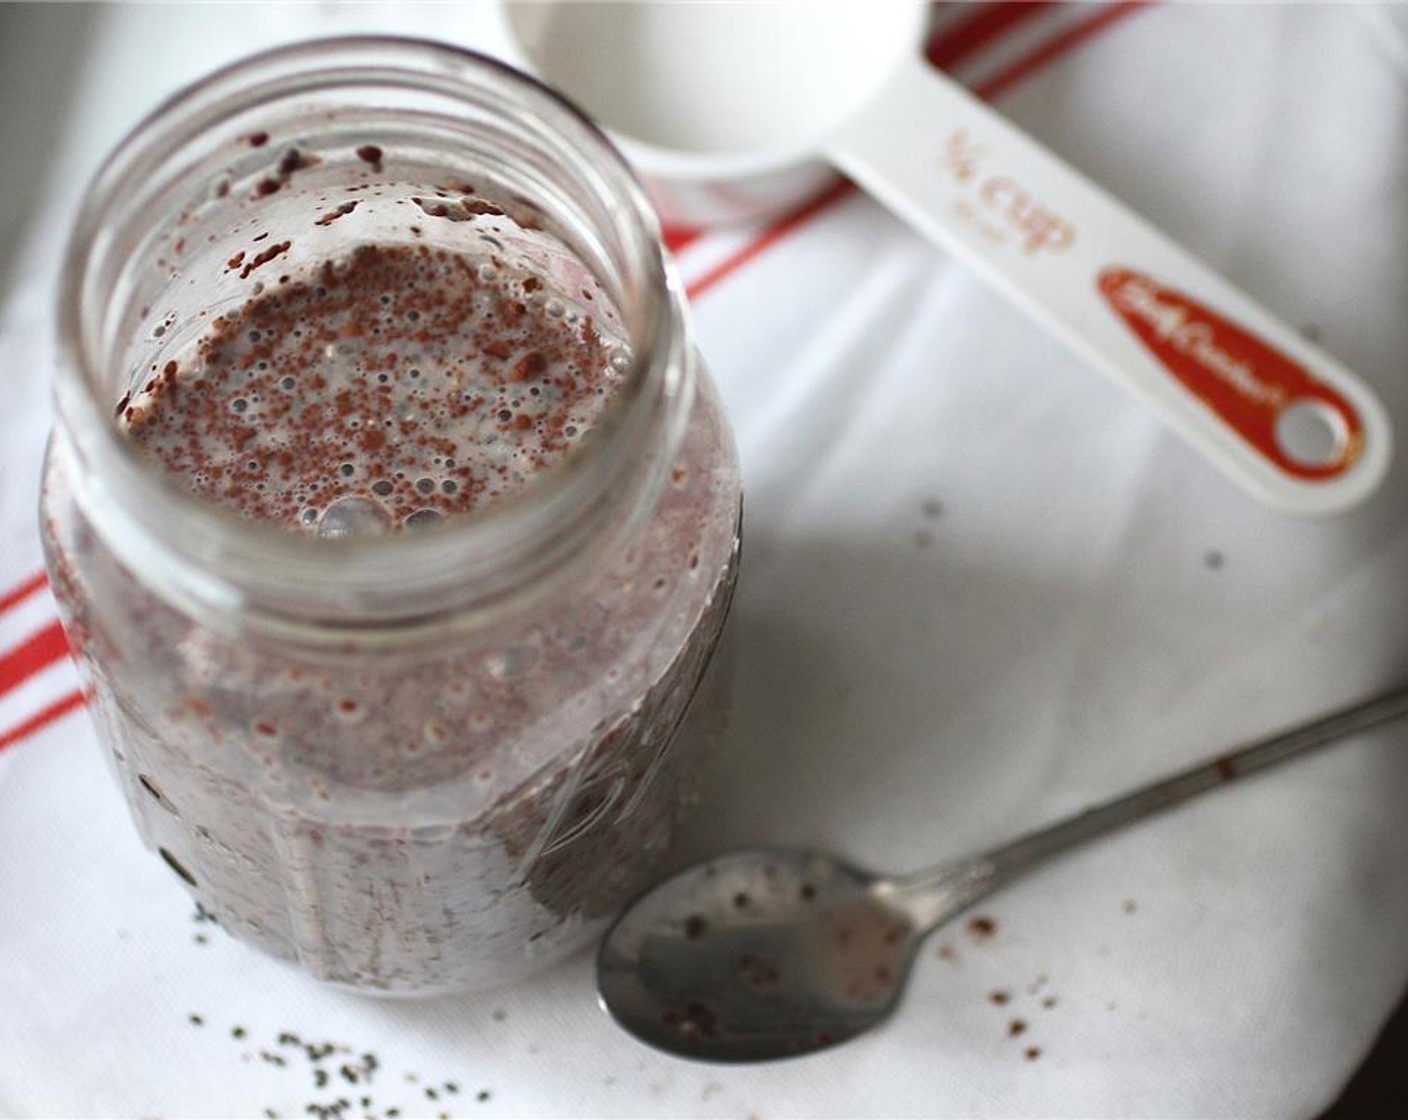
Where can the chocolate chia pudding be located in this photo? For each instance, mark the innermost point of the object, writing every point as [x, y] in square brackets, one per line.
[387, 390]
[410, 806]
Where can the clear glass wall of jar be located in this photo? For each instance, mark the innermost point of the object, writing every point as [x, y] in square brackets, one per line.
[416, 758]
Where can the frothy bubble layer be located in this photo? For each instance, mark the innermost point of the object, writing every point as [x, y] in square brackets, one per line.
[383, 391]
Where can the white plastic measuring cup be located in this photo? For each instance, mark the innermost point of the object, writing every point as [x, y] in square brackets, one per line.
[732, 111]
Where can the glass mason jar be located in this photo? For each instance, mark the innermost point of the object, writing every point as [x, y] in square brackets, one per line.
[414, 753]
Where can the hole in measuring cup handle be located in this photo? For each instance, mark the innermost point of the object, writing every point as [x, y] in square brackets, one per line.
[1293, 420]
[1312, 432]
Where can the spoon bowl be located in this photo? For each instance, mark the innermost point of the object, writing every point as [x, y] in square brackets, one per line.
[773, 952]
[763, 953]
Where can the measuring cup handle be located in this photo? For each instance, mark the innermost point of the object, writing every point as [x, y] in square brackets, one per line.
[1276, 414]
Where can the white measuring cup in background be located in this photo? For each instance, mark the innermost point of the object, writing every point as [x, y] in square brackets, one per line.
[733, 111]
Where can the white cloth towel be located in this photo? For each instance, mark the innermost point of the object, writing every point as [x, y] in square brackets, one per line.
[981, 589]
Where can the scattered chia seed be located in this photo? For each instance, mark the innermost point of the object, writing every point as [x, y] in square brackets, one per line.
[196, 1020]
[482, 1095]
[355, 1069]
[981, 928]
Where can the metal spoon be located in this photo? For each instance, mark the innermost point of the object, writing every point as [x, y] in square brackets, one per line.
[772, 952]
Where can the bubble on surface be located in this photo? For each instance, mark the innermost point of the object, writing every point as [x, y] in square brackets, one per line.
[353, 517]
[423, 518]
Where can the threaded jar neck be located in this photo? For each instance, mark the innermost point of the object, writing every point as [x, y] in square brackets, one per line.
[199, 167]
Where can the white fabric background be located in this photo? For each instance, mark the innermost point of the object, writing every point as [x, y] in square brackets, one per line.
[909, 685]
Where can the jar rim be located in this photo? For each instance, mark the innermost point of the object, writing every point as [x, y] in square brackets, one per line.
[485, 557]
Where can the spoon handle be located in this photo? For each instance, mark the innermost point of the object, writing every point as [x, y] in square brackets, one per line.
[934, 896]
